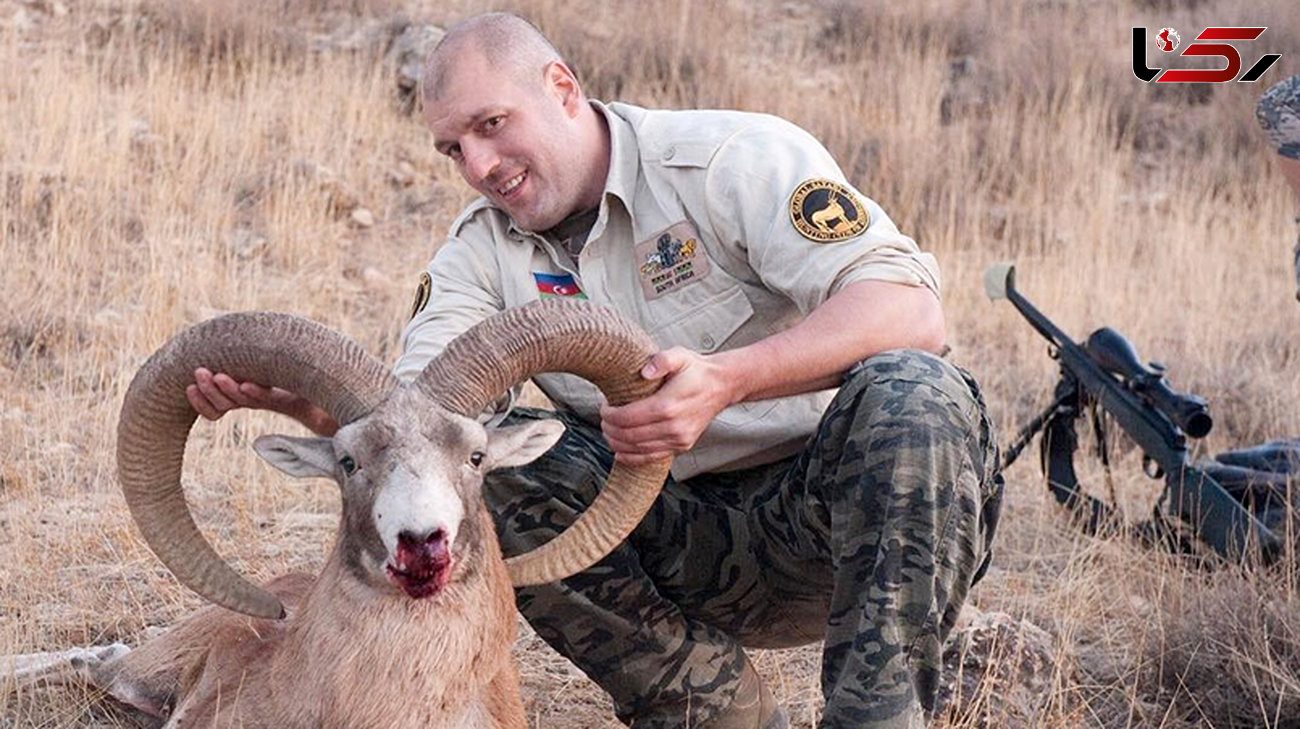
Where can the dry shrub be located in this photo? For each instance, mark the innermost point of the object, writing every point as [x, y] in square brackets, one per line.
[1231, 652]
[228, 39]
[225, 28]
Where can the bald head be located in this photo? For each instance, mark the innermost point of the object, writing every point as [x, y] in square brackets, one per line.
[503, 105]
[509, 44]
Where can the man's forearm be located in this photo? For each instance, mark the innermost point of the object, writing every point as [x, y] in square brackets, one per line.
[860, 320]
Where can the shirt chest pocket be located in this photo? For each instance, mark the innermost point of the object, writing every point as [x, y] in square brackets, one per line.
[705, 329]
[706, 325]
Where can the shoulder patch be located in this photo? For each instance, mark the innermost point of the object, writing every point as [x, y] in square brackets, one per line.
[421, 294]
[827, 212]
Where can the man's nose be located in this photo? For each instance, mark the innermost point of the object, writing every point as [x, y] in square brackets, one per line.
[480, 162]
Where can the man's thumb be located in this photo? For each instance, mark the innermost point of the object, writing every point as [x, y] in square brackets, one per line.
[661, 365]
[655, 368]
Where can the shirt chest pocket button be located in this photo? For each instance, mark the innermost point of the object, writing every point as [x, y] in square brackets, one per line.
[709, 323]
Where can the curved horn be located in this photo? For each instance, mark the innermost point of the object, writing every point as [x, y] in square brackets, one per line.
[286, 351]
[557, 336]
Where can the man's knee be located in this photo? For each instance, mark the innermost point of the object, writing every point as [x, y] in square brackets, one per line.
[909, 383]
[913, 439]
[902, 406]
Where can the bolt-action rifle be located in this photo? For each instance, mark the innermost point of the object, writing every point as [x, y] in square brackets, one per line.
[1106, 373]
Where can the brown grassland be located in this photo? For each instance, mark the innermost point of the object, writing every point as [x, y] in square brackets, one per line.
[161, 162]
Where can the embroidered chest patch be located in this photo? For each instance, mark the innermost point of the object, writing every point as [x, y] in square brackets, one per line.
[557, 285]
[670, 260]
[827, 212]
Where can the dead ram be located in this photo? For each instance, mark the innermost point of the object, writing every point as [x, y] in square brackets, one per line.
[411, 620]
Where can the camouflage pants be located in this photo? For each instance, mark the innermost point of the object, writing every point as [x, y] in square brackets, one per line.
[869, 539]
[1278, 112]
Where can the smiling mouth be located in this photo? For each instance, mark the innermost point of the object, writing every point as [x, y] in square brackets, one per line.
[512, 184]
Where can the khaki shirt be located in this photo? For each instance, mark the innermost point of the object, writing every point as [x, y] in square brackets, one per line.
[694, 240]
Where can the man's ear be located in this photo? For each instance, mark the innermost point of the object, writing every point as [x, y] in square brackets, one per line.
[300, 457]
[563, 82]
[515, 445]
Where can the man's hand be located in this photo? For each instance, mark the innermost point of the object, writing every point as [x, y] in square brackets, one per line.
[861, 319]
[214, 395]
[671, 420]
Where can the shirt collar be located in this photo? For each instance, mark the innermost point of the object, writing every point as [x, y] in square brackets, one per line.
[624, 157]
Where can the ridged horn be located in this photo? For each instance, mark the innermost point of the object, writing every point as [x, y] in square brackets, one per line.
[592, 342]
[281, 350]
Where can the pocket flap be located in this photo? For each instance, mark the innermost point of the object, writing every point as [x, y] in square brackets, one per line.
[709, 326]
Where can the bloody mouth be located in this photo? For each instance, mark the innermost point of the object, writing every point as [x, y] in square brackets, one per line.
[421, 567]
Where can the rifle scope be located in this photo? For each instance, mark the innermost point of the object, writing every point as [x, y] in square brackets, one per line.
[1112, 352]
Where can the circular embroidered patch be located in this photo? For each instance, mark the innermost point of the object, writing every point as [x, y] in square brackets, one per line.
[827, 212]
[421, 294]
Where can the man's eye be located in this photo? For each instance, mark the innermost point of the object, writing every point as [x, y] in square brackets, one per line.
[348, 465]
[493, 122]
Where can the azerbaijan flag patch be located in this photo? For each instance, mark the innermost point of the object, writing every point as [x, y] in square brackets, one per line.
[551, 285]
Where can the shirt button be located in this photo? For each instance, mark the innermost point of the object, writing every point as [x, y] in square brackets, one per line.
[706, 341]
[670, 153]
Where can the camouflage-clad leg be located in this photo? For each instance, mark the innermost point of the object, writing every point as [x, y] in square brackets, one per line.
[870, 537]
[900, 482]
[664, 670]
[1278, 112]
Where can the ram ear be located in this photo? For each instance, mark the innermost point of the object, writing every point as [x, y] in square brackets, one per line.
[515, 445]
[299, 457]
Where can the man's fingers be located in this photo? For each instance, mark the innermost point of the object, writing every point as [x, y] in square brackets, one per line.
[656, 408]
[651, 433]
[642, 446]
[665, 363]
[274, 398]
[284, 397]
[262, 395]
[200, 403]
[213, 395]
[209, 389]
[228, 387]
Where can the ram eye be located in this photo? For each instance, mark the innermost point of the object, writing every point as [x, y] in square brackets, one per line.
[476, 458]
[348, 465]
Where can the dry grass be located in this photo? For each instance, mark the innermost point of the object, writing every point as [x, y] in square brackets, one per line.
[162, 162]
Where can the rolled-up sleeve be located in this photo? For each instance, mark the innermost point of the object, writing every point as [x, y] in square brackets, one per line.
[751, 186]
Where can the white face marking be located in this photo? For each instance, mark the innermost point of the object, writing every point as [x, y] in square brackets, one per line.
[418, 505]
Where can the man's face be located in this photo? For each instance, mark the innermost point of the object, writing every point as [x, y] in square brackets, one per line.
[513, 141]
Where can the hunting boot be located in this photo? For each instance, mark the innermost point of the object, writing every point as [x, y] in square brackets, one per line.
[753, 708]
